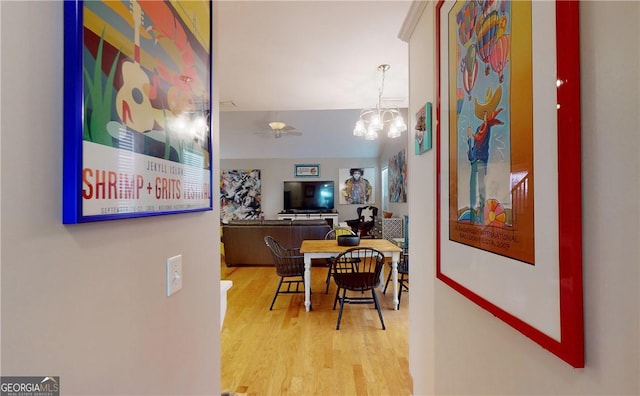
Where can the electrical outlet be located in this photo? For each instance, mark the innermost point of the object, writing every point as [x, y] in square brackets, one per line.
[174, 274]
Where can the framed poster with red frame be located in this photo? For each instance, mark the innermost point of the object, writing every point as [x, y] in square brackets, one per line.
[137, 109]
[509, 207]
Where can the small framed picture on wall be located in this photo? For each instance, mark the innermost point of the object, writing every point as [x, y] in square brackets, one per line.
[423, 129]
[307, 170]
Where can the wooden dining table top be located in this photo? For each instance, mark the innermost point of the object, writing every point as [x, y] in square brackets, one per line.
[331, 246]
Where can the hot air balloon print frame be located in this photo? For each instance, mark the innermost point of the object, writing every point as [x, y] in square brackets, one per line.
[508, 161]
[137, 109]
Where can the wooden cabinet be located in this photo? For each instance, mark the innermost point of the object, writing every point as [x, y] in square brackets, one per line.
[331, 218]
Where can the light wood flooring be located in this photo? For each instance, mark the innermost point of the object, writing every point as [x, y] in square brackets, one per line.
[289, 351]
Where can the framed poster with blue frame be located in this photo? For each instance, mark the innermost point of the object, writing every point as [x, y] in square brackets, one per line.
[137, 109]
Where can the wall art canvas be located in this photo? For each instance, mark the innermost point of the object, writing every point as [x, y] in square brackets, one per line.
[508, 162]
[422, 129]
[240, 194]
[357, 186]
[136, 109]
[397, 173]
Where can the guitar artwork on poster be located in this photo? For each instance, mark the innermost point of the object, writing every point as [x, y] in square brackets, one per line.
[134, 104]
[133, 100]
[163, 129]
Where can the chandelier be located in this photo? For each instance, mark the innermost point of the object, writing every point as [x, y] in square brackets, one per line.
[374, 120]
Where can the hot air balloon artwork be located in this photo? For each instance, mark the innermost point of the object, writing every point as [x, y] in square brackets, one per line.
[487, 34]
[482, 125]
[470, 70]
[503, 6]
[487, 6]
[459, 100]
[500, 55]
[497, 194]
[466, 20]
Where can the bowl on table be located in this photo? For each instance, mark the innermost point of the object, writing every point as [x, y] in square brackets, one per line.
[348, 240]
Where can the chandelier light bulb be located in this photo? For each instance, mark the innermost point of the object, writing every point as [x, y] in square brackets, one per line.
[400, 124]
[371, 134]
[376, 122]
[393, 131]
[359, 129]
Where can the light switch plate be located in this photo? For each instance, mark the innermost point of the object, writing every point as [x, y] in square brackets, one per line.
[174, 274]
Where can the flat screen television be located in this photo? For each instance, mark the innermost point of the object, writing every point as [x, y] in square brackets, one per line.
[308, 196]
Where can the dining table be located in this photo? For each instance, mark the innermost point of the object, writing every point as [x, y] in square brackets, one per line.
[326, 248]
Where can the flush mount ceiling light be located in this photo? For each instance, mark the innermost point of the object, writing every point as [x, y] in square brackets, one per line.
[376, 119]
[277, 125]
[279, 129]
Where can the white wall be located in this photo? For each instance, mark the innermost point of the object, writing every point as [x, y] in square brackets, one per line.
[457, 347]
[274, 171]
[87, 302]
[422, 213]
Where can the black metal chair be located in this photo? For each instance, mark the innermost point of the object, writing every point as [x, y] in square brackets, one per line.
[358, 270]
[289, 263]
[333, 234]
[403, 275]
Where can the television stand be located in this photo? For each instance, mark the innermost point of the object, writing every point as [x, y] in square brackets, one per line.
[331, 218]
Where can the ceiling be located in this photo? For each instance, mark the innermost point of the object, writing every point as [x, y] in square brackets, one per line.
[311, 64]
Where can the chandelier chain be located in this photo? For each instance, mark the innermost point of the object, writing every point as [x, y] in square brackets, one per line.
[381, 90]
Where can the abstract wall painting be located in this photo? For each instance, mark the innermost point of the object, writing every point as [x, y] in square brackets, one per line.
[397, 173]
[240, 194]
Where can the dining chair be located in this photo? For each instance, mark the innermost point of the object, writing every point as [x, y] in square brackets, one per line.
[289, 263]
[365, 221]
[334, 233]
[403, 265]
[356, 271]
[403, 275]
